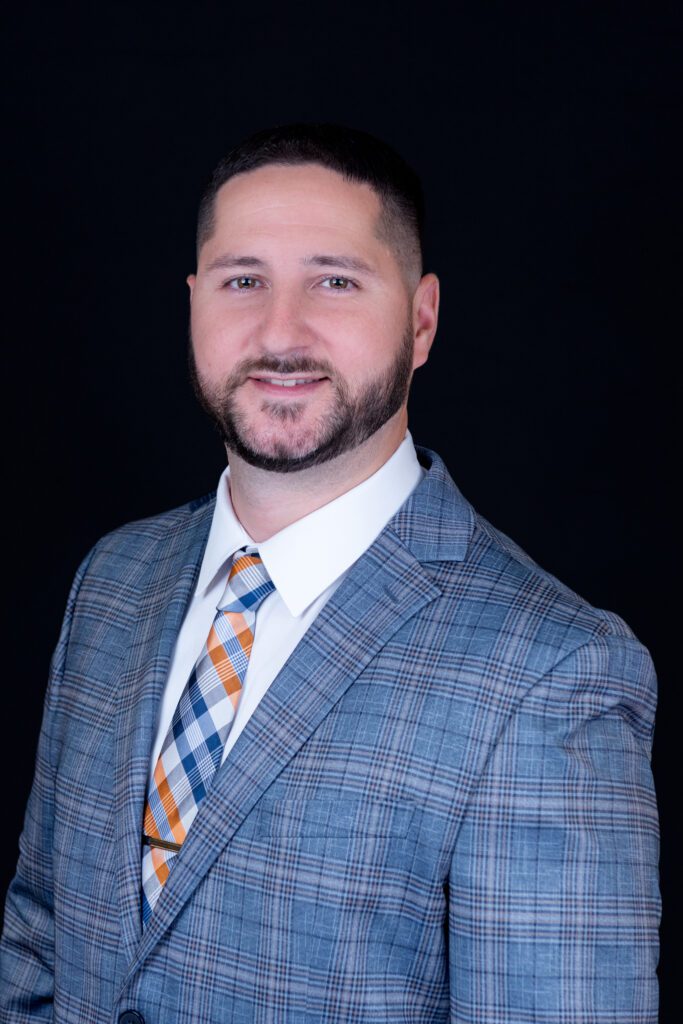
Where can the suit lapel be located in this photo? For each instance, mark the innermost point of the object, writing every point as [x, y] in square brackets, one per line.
[384, 589]
[164, 595]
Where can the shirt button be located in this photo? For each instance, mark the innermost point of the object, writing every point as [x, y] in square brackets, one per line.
[131, 1017]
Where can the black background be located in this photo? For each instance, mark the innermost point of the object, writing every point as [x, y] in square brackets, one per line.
[548, 140]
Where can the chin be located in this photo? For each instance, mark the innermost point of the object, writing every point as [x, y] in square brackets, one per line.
[286, 431]
[283, 448]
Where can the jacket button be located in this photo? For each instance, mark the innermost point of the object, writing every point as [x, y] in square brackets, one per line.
[131, 1017]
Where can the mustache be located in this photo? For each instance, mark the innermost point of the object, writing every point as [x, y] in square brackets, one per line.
[275, 364]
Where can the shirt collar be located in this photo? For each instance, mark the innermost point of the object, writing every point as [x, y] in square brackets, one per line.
[307, 556]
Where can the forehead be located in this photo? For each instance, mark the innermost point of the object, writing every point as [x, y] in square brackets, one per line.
[283, 201]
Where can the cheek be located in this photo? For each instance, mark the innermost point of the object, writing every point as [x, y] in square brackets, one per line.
[373, 323]
[373, 346]
[216, 338]
[200, 325]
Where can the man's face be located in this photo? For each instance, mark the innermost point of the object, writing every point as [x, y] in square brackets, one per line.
[302, 326]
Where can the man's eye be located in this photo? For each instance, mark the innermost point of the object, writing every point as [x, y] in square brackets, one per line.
[242, 284]
[339, 284]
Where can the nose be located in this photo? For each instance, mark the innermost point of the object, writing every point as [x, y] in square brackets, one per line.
[282, 328]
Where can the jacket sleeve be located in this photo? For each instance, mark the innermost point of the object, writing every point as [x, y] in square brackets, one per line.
[553, 887]
[27, 942]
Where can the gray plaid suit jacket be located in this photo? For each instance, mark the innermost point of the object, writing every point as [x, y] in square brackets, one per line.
[442, 809]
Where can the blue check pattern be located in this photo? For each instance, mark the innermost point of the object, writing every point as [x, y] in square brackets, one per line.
[440, 812]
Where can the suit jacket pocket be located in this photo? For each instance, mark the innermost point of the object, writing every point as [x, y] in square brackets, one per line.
[331, 817]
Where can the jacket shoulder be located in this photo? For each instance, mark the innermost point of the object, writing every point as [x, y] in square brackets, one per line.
[516, 625]
[496, 548]
[160, 523]
[137, 543]
[527, 615]
[481, 570]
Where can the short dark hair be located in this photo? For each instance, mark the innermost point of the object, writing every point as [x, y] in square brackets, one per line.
[357, 156]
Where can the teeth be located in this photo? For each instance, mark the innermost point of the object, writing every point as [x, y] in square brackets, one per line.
[286, 383]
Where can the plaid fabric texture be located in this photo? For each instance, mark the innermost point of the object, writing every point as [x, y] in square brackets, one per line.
[442, 809]
[193, 747]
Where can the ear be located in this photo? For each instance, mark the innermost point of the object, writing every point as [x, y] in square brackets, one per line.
[191, 280]
[425, 317]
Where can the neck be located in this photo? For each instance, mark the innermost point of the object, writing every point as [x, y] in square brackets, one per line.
[266, 502]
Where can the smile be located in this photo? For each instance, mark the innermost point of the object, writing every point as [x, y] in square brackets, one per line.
[285, 383]
[291, 383]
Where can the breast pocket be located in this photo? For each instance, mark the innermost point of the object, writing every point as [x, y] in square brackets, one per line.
[328, 818]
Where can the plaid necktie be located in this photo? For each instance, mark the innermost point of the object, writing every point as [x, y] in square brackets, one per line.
[193, 748]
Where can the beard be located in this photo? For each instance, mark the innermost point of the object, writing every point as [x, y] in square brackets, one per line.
[349, 421]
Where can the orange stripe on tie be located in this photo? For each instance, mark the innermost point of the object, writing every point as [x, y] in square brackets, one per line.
[168, 803]
[161, 868]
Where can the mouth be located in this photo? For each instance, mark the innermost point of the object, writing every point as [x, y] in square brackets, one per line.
[289, 384]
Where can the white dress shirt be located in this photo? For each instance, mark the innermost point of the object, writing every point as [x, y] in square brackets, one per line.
[306, 561]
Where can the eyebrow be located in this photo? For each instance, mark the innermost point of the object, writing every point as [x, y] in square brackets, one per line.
[229, 260]
[345, 262]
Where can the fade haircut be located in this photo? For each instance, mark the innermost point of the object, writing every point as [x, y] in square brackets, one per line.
[354, 154]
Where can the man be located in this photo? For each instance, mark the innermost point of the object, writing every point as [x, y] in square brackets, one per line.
[325, 745]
